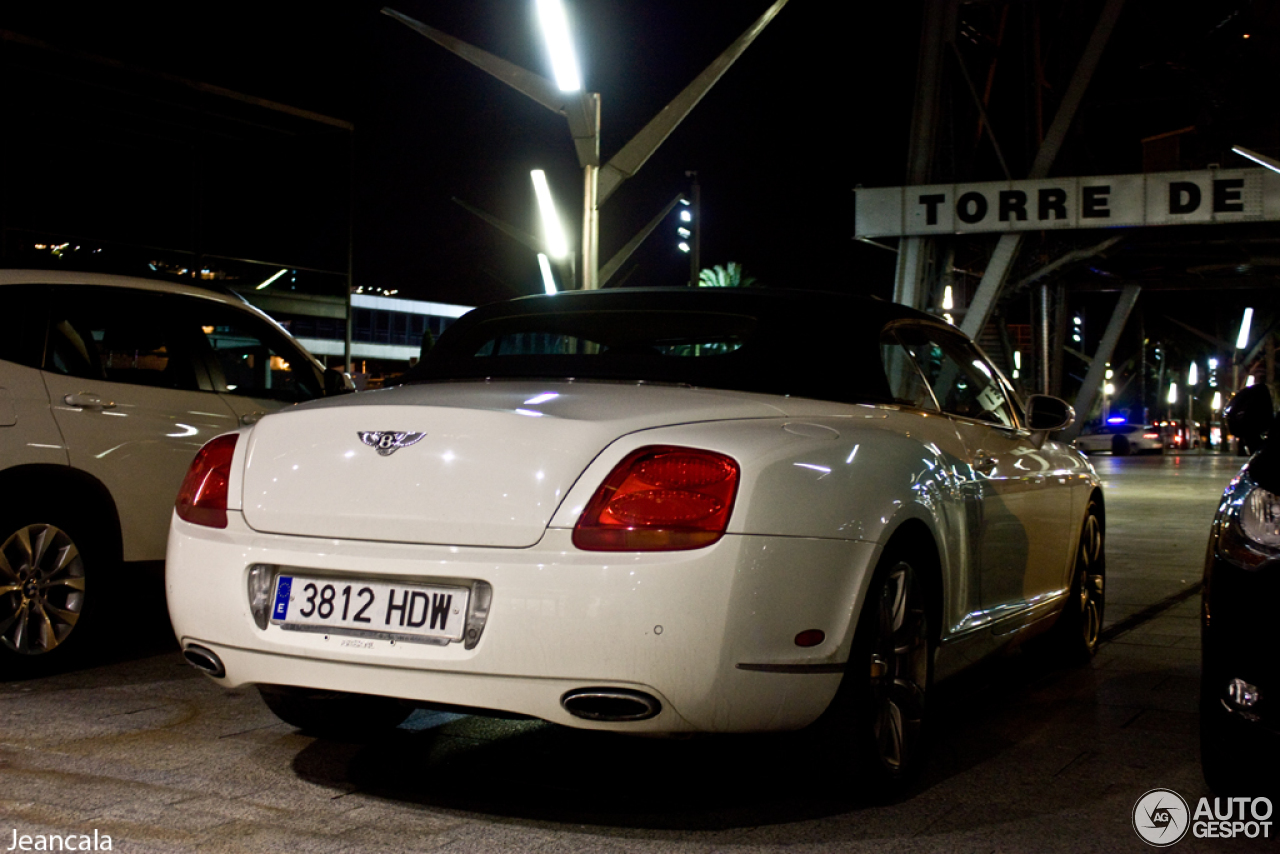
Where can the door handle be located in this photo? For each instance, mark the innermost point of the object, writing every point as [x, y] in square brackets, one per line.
[984, 463]
[88, 400]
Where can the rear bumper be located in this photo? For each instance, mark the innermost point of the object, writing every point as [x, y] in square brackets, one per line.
[675, 625]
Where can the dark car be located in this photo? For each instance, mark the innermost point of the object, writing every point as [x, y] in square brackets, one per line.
[1240, 677]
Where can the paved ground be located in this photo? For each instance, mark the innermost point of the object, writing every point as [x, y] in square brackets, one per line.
[1028, 758]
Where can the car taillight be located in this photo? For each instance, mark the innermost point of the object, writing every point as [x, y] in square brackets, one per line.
[1151, 435]
[660, 499]
[202, 500]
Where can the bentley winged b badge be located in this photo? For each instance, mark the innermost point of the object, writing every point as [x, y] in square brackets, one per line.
[388, 442]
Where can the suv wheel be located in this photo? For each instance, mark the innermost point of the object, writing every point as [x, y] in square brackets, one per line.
[42, 590]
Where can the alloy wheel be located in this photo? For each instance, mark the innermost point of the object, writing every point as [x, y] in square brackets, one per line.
[899, 669]
[41, 589]
[1091, 579]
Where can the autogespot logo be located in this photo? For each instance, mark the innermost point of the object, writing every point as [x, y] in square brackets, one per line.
[1161, 817]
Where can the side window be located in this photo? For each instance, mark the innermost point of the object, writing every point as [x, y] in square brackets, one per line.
[906, 383]
[251, 358]
[116, 335]
[960, 379]
[22, 310]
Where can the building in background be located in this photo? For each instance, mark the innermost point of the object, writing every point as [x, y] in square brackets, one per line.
[386, 331]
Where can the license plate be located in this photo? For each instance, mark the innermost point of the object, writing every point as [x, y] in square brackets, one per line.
[413, 612]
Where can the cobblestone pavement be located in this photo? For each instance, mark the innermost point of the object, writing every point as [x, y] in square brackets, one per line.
[1027, 758]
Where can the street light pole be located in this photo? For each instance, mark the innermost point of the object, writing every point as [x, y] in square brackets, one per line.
[591, 214]
[584, 125]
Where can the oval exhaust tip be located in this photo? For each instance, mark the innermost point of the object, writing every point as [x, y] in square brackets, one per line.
[205, 660]
[610, 704]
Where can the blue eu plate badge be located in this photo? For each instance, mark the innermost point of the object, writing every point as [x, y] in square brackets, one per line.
[282, 597]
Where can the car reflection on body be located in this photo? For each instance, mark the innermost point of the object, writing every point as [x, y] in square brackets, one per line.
[649, 511]
[1240, 673]
[1121, 438]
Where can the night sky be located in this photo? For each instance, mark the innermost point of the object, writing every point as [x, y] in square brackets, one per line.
[819, 104]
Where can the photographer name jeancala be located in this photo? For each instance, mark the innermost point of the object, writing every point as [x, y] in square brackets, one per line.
[60, 842]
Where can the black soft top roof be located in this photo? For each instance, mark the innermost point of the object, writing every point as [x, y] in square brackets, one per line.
[803, 343]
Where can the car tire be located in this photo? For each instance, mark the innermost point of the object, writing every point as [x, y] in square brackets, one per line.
[878, 721]
[333, 714]
[1120, 446]
[45, 609]
[1078, 630]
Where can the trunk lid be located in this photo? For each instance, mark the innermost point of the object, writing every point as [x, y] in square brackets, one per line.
[491, 464]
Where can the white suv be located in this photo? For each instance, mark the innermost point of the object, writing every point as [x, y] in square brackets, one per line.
[108, 387]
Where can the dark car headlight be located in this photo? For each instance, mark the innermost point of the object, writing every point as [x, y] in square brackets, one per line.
[1249, 524]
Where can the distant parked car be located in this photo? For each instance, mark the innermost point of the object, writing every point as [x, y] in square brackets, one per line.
[1240, 674]
[108, 387]
[1121, 439]
[648, 511]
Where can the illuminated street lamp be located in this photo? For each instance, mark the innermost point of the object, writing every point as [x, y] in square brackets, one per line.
[555, 29]
[1260, 159]
[548, 280]
[552, 231]
[685, 229]
[268, 282]
[1242, 341]
[553, 238]
[583, 113]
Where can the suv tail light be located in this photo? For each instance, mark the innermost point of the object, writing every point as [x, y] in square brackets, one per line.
[660, 499]
[202, 500]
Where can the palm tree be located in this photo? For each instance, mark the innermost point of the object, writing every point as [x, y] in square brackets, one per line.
[729, 276]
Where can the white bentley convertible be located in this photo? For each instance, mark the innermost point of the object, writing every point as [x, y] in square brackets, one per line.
[651, 511]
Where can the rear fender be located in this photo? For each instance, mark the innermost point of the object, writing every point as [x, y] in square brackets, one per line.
[853, 478]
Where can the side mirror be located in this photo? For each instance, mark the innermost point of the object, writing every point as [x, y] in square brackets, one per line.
[337, 381]
[1250, 415]
[1046, 413]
